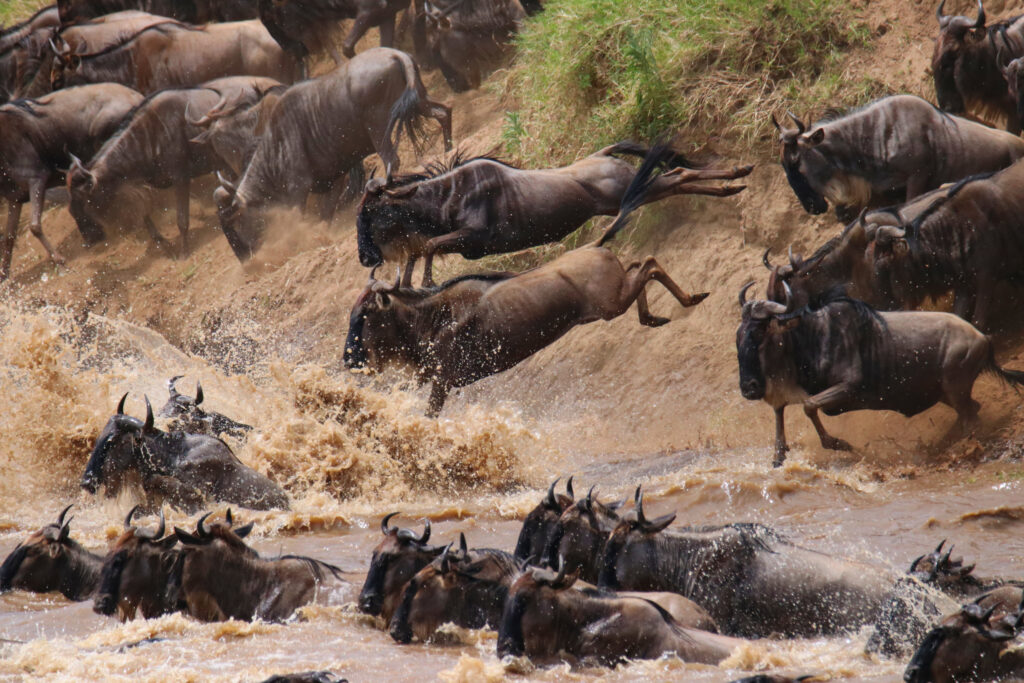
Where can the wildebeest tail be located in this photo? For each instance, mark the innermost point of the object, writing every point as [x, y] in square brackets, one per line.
[1015, 378]
[408, 112]
[658, 157]
[635, 149]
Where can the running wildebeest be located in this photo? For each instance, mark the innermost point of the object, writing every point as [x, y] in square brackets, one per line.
[480, 206]
[304, 26]
[546, 622]
[891, 150]
[185, 415]
[223, 578]
[187, 470]
[192, 11]
[476, 326]
[137, 572]
[170, 55]
[468, 38]
[37, 138]
[750, 579]
[50, 560]
[541, 521]
[395, 560]
[578, 536]
[846, 356]
[966, 65]
[320, 130]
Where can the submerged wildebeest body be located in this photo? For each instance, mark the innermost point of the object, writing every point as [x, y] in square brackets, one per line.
[186, 470]
[578, 536]
[37, 138]
[395, 560]
[468, 38]
[153, 145]
[846, 356]
[546, 622]
[303, 26]
[222, 578]
[477, 326]
[137, 572]
[50, 560]
[540, 523]
[752, 581]
[321, 129]
[171, 55]
[184, 415]
[966, 65]
[481, 206]
[891, 150]
[192, 11]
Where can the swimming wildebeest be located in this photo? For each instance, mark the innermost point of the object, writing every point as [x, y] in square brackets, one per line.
[395, 560]
[578, 536]
[223, 578]
[184, 469]
[974, 644]
[546, 622]
[185, 415]
[137, 572]
[175, 56]
[37, 138]
[192, 11]
[482, 206]
[49, 560]
[320, 130]
[541, 521]
[846, 356]
[889, 151]
[966, 65]
[750, 579]
[154, 146]
[476, 326]
[468, 38]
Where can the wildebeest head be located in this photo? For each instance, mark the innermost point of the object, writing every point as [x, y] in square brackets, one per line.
[759, 335]
[580, 535]
[529, 609]
[137, 571]
[395, 560]
[385, 213]
[942, 570]
[377, 329]
[115, 452]
[41, 562]
[185, 414]
[887, 255]
[958, 36]
[632, 528]
[541, 522]
[806, 168]
[89, 200]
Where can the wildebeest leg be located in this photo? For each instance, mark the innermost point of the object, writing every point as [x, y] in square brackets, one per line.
[13, 216]
[387, 32]
[652, 270]
[982, 299]
[780, 437]
[181, 195]
[442, 113]
[645, 313]
[410, 263]
[916, 186]
[453, 242]
[37, 193]
[677, 181]
[438, 395]
[833, 397]
[154, 234]
[827, 440]
[359, 27]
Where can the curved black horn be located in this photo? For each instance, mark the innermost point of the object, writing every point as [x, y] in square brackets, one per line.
[980, 23]
[65, 531]
[463, 546]
[60, 517]
[568, 488]
[789, 297]
[201, 526]
[550, 500]
[384, 523]
[222, 179]
[227, 518]
[128, 519]
[199, 393]
[120, 404]
[445, 562]
[171, 389]
[939, 548]
[560, 577]
[148, 425]
[775, 122]
[800, 127]
[639, 498]
[426, 532]
[938, 11]
[743, 293]
[590, 497]
[764, 258]
[792, 259]
[162, 527]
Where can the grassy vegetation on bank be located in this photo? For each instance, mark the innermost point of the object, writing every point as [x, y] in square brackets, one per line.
[13, 11]
[590, 72]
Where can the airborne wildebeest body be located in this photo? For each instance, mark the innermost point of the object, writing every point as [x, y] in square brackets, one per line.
[751, 580]
[154, 146]
[477, 326]
[846, 356]
[49, 560]
[37, 138]
[467, 38]
[192, 11]
[395, 560]
[483, 206]
[185, 415]
[320, 130]
[223, 578]
[541, 522]
[184, 469]
[966, 65]
[302, 26]
[891, 150]
[172, 55]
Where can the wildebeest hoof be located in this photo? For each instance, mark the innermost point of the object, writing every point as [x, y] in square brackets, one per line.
[655, 321]
[779, 459]
[835, 444]
[729, 190]
[741, 171]
[697, 298]
[349, 51]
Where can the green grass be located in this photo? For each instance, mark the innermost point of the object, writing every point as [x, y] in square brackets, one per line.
[590, 72]
[13, 11]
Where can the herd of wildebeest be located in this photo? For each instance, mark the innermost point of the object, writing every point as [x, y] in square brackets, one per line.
[107, 96]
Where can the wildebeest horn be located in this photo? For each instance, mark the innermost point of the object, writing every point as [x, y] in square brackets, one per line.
[775, 122]
[201, 526]
[560, 577]
[210, 115]
[148, 425]
[226, 183]
[743, 293]
[65, 531]
[426, 532]
[444, 559]
[638, 499]
[120, 404]
[789, 297]
[77, 163]
[171, 389]
[463, 546]
[800, 127]
[128, 519]
[938, 10]
[157, 533]
[550, 499]
[568, 488]
[980, 23]
[792, 260]
[764, 258]
[384, 523]
[590, 498]
[227, 517]
[939, 548]
[199, 393]
[60, 517]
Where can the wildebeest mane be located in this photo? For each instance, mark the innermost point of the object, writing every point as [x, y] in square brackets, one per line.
[125, 40]
[913, 229]
[436, 169]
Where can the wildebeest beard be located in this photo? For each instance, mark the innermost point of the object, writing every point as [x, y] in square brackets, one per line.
[810, 199]
[920, 668]
[110, 583]
[10, 567]
[510, 635]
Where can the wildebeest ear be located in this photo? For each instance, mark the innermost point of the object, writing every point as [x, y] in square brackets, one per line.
[816, 137]
[186, 538]
[383, 300]
[659, 523]
[243, 531]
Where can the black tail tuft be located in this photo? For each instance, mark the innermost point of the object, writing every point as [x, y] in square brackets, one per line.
[657, 159]
[635, 149]
[406, 115]
[1014, 378]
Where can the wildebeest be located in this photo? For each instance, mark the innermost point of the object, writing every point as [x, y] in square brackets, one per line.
[891, 150]
[12, 54]
[546, 622]
[974, 644]
[153, 145]
[173, 56]
[579, 535]
[50, 560]
[185, 415]
[184, 469]
[966, 65]
[395, 560]
[480, 206]
[37, 138]
[468, 38]
[846, 356]
[750, 579]
[476, 326]
[192, 11]
[137, 572]
[541, 521]
[323, 128]
[223, 578]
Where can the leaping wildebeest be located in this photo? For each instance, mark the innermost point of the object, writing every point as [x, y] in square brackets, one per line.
[481, 206]
[889, 151]
[37, 139]
[476, 326]
[847, 356]
[321, 129]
